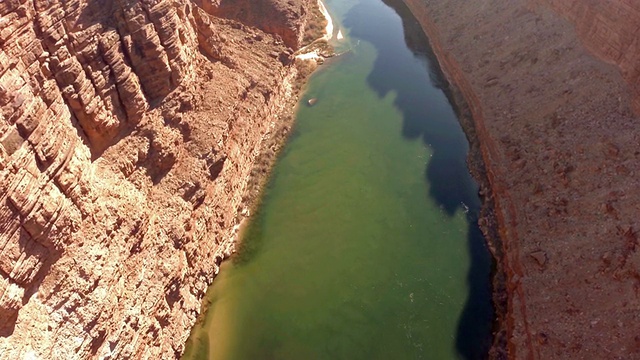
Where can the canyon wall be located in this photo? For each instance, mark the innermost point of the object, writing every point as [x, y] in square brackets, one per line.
[548, 95]
[611, 31]
[276, 17]
[128, 130]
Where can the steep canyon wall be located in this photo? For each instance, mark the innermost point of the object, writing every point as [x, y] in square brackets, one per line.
[548, 92]
[128, 130]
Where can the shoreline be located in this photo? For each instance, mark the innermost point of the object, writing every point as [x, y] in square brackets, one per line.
[329, 28]
[478, 158]
[319, 49]
[273, 142]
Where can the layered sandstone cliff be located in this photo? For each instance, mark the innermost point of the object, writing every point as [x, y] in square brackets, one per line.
[128, 130]
[547, 91]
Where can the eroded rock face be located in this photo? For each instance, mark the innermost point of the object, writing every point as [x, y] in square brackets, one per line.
[611, 31]
[273, 16]
[127, 133]
[557, 134]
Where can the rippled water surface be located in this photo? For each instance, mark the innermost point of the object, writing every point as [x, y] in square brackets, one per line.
[365, 245]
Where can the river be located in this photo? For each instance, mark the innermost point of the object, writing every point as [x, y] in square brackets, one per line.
[365, 244]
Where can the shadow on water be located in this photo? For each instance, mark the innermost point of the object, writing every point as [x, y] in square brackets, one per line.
[429, 114]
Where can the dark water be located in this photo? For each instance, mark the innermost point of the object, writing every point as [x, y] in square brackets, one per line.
[365, 246]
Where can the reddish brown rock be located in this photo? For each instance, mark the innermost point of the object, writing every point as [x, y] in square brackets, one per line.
[547, 90]
[611, 31]
[278, 17]
[128, 130]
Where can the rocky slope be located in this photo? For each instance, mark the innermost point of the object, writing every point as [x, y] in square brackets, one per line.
[610, 31]
[547, 90]
[128, 130]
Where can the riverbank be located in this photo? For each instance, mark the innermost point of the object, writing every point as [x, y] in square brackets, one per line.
[470, 116]
[549, 221]
[272, 143]
[307, 60]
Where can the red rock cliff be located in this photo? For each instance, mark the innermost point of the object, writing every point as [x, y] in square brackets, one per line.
[276, 17]
[127, 133]
[611, 31]
[551, 102]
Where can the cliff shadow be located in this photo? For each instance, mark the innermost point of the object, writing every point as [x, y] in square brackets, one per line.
[429, 114]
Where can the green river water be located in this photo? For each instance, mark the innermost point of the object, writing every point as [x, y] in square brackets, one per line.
[365, 244]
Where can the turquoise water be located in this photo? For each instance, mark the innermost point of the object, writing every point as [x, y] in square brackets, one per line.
[364, 246]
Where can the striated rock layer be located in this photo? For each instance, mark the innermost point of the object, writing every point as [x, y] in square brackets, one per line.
[547, 90]
[128, 130]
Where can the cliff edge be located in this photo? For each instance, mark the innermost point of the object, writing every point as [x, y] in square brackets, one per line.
[128, 130]
[549, 92]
